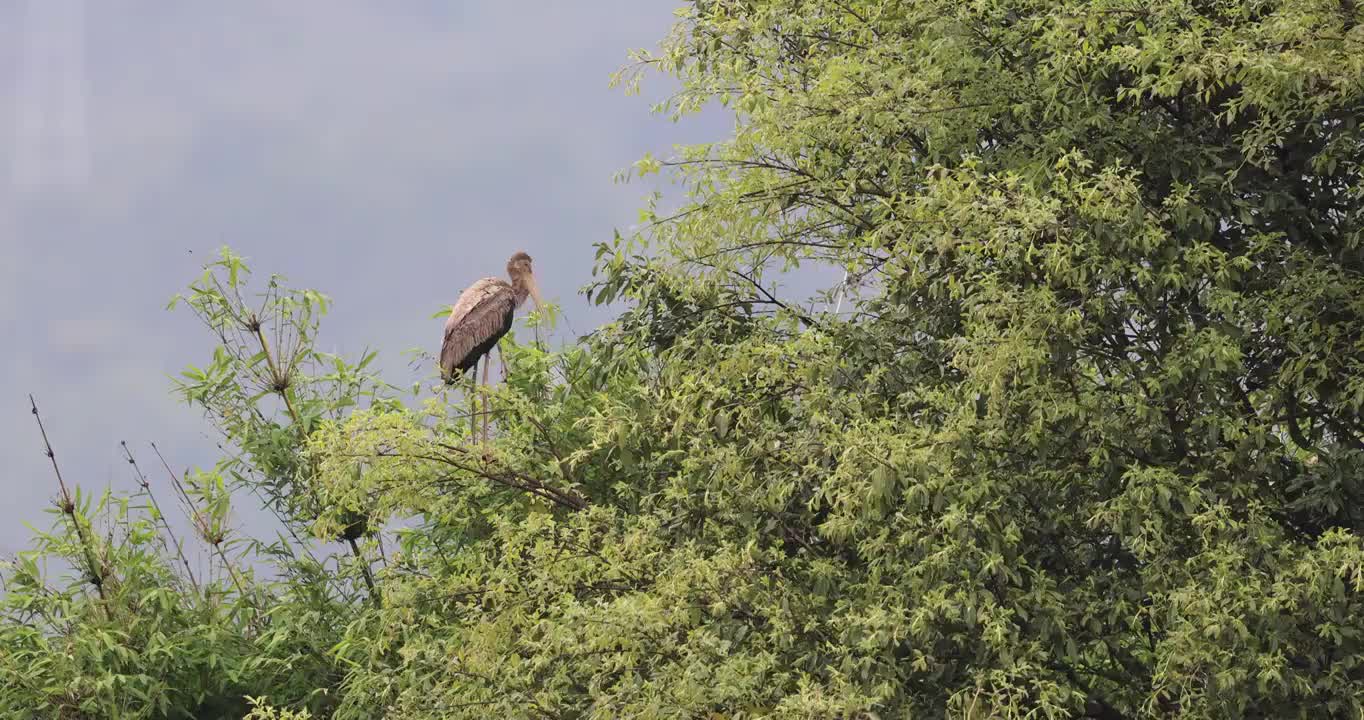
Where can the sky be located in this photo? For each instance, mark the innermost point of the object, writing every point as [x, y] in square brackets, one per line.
[384, 153]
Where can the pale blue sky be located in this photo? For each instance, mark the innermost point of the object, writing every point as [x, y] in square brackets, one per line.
[386, 153]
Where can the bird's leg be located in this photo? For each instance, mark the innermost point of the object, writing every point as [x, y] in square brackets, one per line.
[501, 363]
[473, 404]
[487, 409]
[445, 400]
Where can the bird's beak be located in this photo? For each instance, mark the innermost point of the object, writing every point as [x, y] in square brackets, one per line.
[534, 291]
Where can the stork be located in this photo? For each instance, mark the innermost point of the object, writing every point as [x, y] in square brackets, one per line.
[479, 319]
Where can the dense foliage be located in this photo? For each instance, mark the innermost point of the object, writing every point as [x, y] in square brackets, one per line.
[1081, 436]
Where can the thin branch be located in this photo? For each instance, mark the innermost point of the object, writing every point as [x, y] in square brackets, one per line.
[214, 541]
[365, 571]
[809, 322]
[146, 486]
[68, 506]
[515, 481]
[279, 381]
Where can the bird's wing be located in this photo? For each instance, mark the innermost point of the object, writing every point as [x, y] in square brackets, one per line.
[479, 314]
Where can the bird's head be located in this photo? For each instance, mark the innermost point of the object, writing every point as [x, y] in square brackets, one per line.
[519, 269]
[519, 263]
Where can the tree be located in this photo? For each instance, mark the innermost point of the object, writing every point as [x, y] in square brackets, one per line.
[1083, 439]
[1088, 443]
[136, 631]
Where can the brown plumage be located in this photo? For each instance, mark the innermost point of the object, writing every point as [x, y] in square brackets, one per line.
[482, 315]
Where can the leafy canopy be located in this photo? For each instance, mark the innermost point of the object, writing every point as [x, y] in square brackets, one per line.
[1081, 436]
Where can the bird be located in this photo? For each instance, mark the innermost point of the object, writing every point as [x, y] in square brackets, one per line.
[481, 316]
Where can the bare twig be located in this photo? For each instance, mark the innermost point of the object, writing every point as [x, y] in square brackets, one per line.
[68, 507]
[214, 540]
[142, 480]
